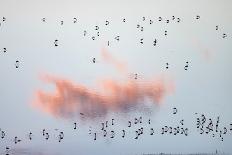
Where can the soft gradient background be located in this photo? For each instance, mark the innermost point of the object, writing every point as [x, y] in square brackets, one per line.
[205, 88]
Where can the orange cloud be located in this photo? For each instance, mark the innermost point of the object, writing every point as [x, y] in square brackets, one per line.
[107, 57]
[69, 98]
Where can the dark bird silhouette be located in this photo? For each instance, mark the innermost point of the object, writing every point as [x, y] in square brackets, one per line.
[94, 60]
[74, 20]
[17, 64]
[123, 133]
[75, 126]
[47, 136]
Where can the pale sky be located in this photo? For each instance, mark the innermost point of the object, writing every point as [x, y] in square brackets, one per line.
[205, 88]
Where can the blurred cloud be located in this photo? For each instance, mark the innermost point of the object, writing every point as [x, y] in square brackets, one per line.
[69, 98]
[119, 65]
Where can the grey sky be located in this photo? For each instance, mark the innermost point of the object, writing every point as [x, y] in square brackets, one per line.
[205, 88]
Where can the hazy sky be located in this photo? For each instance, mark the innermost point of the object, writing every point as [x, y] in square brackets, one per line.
[204, 88]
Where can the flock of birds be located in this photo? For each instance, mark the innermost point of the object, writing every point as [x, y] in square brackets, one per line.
[140, 27]
[203, 126]
[211, 127]
[4, 50]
